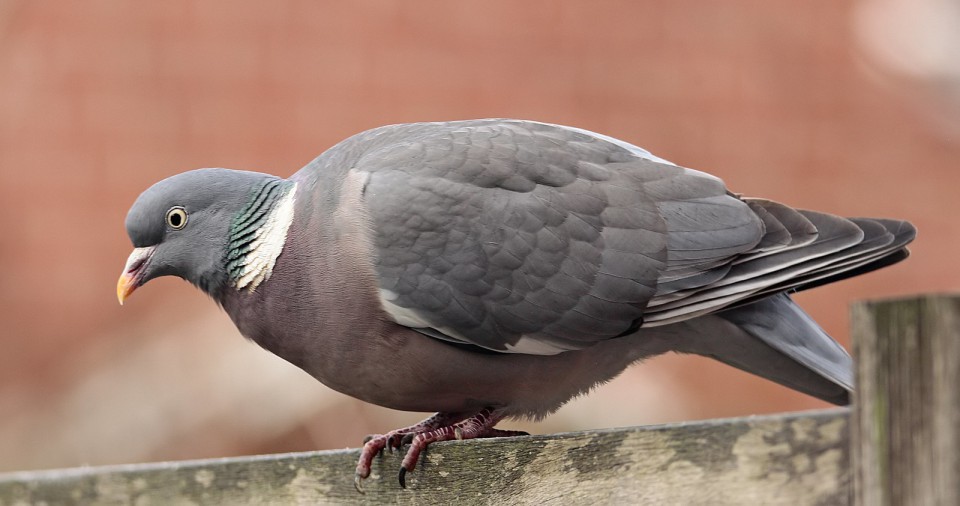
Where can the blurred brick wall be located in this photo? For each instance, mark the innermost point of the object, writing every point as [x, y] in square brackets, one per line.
[100, 99]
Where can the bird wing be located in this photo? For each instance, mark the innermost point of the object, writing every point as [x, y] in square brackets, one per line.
[535, 238]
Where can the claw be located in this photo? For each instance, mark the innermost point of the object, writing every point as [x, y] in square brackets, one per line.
[368, 438]
[439, 427]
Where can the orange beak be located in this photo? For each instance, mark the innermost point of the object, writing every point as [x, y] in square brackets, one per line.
[133, 272]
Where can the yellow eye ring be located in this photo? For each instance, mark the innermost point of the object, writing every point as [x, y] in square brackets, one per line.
[177, 218]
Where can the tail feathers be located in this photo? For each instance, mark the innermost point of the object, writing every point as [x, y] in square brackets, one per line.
[773, 338]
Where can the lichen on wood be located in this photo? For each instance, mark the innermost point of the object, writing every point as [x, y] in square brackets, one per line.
[794, 459]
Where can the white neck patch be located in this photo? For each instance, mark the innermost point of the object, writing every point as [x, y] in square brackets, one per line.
[269, 239]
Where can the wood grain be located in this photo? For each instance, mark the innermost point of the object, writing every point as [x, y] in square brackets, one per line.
[794, 459]
[907, 417]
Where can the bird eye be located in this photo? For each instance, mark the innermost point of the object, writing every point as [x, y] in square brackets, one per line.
[177, 218]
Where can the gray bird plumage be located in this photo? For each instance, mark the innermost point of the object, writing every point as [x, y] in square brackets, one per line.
[498, 268]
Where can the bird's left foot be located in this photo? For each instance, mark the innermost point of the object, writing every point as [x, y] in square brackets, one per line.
[439, 427]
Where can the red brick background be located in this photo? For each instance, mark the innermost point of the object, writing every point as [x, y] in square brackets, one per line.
[100, 99]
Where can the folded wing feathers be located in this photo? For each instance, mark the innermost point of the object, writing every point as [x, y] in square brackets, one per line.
[776, 234]
[799, 230]
[800, 249]
[883, 246]
[901, 232]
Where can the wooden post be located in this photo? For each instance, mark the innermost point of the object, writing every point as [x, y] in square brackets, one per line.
[906, 421]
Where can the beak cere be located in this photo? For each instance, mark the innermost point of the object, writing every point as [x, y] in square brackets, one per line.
[133, 272]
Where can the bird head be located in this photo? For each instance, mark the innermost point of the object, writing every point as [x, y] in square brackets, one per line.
[181, 226]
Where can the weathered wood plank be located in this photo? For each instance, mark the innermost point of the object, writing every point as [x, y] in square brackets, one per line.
[794, 459]
[906, 425]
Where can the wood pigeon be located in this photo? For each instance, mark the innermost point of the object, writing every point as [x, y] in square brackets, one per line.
[497, 268]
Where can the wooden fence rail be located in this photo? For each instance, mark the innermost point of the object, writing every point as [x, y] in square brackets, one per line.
[899, 444]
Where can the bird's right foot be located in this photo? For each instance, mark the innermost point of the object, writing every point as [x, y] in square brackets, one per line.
[439, 427]
[374, 444]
